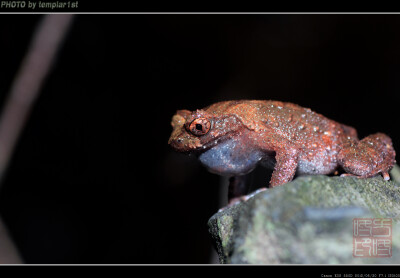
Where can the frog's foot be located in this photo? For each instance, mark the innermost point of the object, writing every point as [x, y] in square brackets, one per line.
[368, 157]
[244, 198]
[234, 201]
[385, 175]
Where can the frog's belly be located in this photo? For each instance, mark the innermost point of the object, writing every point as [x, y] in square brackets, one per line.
[231, 158]
[320, 164]
[234, 157]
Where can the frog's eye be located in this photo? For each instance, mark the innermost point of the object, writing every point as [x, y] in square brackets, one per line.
[199, 126]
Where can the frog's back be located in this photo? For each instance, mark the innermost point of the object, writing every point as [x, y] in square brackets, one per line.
[289, 120]
[282, 115]
[254, 108]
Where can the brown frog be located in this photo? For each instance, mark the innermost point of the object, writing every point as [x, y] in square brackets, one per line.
[230, 138]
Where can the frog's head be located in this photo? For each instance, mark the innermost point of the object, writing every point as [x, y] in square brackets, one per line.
[200, 130]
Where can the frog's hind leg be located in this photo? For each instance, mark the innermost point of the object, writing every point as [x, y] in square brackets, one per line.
[366, 158]
[349, 131]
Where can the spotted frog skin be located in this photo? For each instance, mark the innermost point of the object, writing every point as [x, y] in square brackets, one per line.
[232, 137]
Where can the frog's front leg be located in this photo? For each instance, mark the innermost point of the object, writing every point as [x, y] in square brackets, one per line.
[238, 190]
[366, 158]
[285, 167]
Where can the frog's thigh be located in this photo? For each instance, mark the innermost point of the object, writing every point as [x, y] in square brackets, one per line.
[366, 158]
[285, 167]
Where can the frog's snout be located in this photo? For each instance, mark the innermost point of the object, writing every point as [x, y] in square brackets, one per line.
[175, 143]
[182, 142]
[179, 144]
[176, 139]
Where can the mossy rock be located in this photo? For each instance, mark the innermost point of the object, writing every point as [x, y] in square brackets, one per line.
[307, 221]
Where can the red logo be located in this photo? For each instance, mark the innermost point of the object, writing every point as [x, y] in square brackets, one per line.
[372, 237]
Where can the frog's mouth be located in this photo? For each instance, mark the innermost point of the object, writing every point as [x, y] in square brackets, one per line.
[183, 142]
[208, 146]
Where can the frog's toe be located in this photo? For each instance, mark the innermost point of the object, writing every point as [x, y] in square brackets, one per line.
[386, 176]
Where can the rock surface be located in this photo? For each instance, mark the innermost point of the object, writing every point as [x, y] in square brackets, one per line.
[307, 221]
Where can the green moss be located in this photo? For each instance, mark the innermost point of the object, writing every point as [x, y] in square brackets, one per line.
[306, 221]
[226, 228]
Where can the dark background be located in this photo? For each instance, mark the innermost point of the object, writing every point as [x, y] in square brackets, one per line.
[93, 179]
